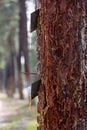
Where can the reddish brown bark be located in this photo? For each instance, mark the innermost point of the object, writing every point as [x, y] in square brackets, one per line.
[61, 101]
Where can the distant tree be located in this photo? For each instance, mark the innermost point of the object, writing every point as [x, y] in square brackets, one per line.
[23, 43]
[8, 39]
[10, 70]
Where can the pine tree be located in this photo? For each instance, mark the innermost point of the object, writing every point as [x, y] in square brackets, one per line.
[61, 47]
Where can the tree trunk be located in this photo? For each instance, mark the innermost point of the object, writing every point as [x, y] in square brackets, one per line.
[20, 87]
[23, 34]
[10, 70]
[61, 50]
[23, 43]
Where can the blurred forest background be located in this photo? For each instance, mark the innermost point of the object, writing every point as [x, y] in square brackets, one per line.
[17, 46]
[17, 61]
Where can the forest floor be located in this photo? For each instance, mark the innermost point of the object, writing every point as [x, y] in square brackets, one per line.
[15, 115]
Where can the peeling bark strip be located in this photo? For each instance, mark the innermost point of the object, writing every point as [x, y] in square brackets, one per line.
[62, 34]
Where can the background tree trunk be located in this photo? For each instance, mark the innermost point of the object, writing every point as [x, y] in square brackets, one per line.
[23, 43]
[61, 96]
[23, 33]
[10, 70]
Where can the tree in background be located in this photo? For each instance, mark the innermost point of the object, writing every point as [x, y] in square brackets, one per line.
[10, 67]
[8, 41]
[23, 43]
[12, 13]
[62, 51]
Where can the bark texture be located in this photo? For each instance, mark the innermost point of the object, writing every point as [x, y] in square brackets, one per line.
[61, 96]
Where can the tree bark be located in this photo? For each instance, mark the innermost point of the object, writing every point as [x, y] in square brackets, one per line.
[61, 96]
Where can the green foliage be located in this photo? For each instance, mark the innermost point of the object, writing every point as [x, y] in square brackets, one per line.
[9, 16]
[32, 126]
